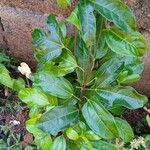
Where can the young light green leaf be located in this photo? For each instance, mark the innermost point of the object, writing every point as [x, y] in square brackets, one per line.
[88, 24]
[72, 134]
[59, 143]
[51, 84]
[121, 96]
[74, 18]
[42, 140]
[128, 44]
[125, 130]
[99, 119]
[33, 97]
[57, 119]
[90, 135]
[114, 11]
[102, 145]
[63, 29]
[18, 84]
[5, 78]
[63, 3]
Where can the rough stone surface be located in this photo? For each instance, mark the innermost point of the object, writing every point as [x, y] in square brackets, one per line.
[45, 6]
[144, 84]
[19, 17]
[18, 25]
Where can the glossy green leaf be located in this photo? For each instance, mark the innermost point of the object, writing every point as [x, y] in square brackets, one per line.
[64, 65]
[127, 44]
[42, 140]
[53, 44]
[99, 119]
[118, 68]
[59, 143]
[100, 46]
[117, 12]
[33, 97]
[125, 130]
[121, 96]
[88, 24]
[83, 57]
[108, 72]
[63, 3]
[5, 78]
[67, 62]
[72, 134]
[74, 18]
[53, 85]
[102, 145]
[57, 119]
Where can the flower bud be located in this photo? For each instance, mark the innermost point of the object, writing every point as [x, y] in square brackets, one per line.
[24, 69]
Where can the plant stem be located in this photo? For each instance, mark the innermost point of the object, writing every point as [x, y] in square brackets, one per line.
[76, 97]
[28, 83]
[90, 147]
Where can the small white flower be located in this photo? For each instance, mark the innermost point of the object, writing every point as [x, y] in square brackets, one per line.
[24, 69]
[135, 144]
[14, 122]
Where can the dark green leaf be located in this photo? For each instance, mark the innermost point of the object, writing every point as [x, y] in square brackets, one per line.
[56, 86]
[108, 72]
[99, 119]
[117, 12]
[121, 96]
[52, 44]
[33, 97]
[64, 65]
[67, 62]
[125, 130]
[83, 57]
[88, 24]
[100, 45]
[118, 68]
[127, 44]
[4, 58]
[57, 119]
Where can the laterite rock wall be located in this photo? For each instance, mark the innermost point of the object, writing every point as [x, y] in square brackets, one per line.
[17, 20]
[19, 17]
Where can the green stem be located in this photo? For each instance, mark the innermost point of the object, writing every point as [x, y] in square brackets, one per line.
[76, 98]
[90, 147]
